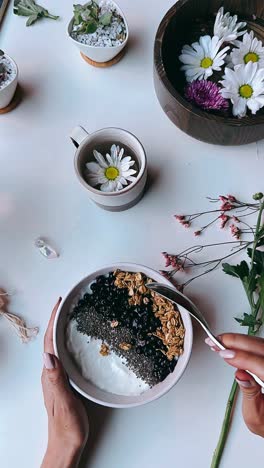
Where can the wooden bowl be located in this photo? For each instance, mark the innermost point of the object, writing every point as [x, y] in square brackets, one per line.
[181, 25]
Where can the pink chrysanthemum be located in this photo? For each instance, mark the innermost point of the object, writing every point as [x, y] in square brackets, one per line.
[206, 94]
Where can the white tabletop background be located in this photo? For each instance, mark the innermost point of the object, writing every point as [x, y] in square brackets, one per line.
[40, 195]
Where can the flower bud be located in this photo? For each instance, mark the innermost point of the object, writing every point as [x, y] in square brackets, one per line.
[258, 196]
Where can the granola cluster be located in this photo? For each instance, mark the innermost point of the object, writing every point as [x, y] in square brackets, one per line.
[172, 331]
[104, 350]
[135, 283]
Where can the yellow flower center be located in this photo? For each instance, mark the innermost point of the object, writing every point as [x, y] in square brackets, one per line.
[111, 173]
[206, 62]
[246, 91]
[251, 57]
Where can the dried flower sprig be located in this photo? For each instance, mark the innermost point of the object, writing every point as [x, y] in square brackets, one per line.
[25, 333]
[251, 274]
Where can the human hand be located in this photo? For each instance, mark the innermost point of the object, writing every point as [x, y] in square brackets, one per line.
[246, 352]
[67, 419]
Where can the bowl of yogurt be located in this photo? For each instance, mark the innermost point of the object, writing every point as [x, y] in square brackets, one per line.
[8, 79]
[121, 344]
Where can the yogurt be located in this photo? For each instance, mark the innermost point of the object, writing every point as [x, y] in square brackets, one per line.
[110, 373]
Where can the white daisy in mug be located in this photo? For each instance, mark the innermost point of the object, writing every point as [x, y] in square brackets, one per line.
[227, 28]
[111, 173]
[248, 50]
[202, 58]
[244, 86]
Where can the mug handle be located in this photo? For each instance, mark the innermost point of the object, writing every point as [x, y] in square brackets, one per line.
[77, 135]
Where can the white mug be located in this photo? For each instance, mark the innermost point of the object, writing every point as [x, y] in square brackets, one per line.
[101, 141]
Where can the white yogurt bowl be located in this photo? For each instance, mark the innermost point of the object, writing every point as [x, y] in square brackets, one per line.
[100, 54]
[86, 388]
[8, 91]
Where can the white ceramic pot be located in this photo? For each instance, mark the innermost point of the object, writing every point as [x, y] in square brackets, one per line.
[100, 54]
[7, 93]
[86, 388]
[101, 141]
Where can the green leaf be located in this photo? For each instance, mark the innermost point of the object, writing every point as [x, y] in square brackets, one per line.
[32, 10]
[91, 27]
[106, 18]
[258, 260]
[94, 9]
[239, 271]
[248, 321]
[31, 20]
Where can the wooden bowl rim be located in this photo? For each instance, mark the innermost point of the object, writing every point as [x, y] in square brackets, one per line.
[159, 65]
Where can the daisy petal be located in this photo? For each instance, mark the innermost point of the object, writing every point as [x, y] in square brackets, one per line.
[100, 159]
[107, 186]
[93, 167]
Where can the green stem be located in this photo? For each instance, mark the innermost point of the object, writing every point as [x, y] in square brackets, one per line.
[52, 17]
[256, 239]
[225, 427]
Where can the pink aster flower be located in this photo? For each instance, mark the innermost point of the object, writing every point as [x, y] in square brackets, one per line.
[197, 233]
[206, 94]
[236, 219]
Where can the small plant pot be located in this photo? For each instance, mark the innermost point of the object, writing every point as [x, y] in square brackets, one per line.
[8, 91]
[100, 54]
[102, 141]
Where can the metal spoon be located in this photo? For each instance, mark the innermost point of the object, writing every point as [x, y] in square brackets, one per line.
[183, 303]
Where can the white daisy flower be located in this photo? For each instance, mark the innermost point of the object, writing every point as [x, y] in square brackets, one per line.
[226, 26]
[245, 87]
[249, 50]
[202, 58]
[112, 173]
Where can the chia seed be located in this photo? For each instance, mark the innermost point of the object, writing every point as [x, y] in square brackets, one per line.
[105, 36]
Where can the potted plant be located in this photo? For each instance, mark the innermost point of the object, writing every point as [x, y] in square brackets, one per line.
[99, 30]
[8, 79]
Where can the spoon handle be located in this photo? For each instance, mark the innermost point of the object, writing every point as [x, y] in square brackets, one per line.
[219, 345]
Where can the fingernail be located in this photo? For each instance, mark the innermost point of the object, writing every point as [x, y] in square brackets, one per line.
[209, 342]
[244, 383]
[49, 361]
[227, 354]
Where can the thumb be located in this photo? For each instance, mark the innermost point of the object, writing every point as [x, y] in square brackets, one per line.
[250, 389]
[252, 398]
[54, 373]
